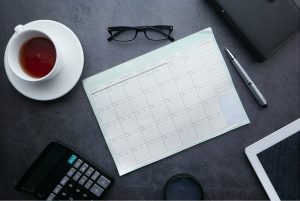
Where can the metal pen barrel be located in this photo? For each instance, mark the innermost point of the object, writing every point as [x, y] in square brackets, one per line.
[252, 87]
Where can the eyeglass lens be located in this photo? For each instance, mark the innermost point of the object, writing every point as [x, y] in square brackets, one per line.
[153, 33]
[124, 35]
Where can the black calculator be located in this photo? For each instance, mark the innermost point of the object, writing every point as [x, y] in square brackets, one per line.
[60, 173]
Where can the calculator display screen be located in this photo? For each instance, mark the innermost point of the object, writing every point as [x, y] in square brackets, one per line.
[41, 170]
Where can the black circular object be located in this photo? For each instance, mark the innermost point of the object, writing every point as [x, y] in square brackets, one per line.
[183, 187]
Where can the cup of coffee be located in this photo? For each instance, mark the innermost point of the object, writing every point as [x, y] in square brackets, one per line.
[33, 55]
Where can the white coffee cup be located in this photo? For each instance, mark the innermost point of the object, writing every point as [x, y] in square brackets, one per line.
[21, 36]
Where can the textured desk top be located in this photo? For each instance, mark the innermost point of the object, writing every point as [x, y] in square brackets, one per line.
[27, 126]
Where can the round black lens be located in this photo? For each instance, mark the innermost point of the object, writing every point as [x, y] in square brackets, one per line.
[183, 187]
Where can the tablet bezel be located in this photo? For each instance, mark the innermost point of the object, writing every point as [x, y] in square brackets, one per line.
[253, 150]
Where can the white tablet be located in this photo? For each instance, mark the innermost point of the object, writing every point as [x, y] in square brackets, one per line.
[276, 161]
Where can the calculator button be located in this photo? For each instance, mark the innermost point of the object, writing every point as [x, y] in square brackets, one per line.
[103, 181]
[78, 163]
[89, 171]
[77, 175]
[95, 175]
[88, 184]
[64, 180]
[71, 172]
[97, 190]
[72, 159]
[84, 167]
[57, 189]
[51, 197]
[82, 180]
[64, 194]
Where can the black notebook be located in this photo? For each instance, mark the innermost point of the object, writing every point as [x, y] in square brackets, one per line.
[263, 25]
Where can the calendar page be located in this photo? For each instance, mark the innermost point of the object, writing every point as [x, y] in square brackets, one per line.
[165, 101]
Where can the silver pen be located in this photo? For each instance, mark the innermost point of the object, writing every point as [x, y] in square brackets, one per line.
[250, 84]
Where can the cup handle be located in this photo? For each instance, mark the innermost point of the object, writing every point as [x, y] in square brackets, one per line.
[19, 28]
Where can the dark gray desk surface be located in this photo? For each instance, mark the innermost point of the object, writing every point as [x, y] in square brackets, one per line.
[27, 126]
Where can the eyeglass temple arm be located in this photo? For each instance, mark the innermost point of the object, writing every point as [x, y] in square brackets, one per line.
[171, 38]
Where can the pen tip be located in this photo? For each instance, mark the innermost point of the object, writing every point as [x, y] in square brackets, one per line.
[229, 53]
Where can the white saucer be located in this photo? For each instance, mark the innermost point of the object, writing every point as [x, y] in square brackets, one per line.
[66, 78]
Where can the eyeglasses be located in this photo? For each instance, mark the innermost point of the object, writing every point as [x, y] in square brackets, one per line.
[155, 33]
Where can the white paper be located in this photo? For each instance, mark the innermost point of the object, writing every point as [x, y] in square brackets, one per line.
[165, 101]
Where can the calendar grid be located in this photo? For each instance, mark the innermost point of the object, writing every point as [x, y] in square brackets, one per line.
[201, 102]
[138, 124]
[208, 57]
[164, 107]
[206, 115]
[164, 100]
[119, 123]
[185, 104]
[152, 115]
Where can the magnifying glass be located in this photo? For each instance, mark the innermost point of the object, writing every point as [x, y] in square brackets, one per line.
[183, 187]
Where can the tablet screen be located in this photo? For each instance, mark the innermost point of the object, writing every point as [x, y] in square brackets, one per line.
[282, 165]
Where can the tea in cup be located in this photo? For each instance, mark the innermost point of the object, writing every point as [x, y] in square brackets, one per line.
[34, 55]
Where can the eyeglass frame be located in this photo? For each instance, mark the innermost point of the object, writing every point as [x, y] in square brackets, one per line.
[140, 29]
